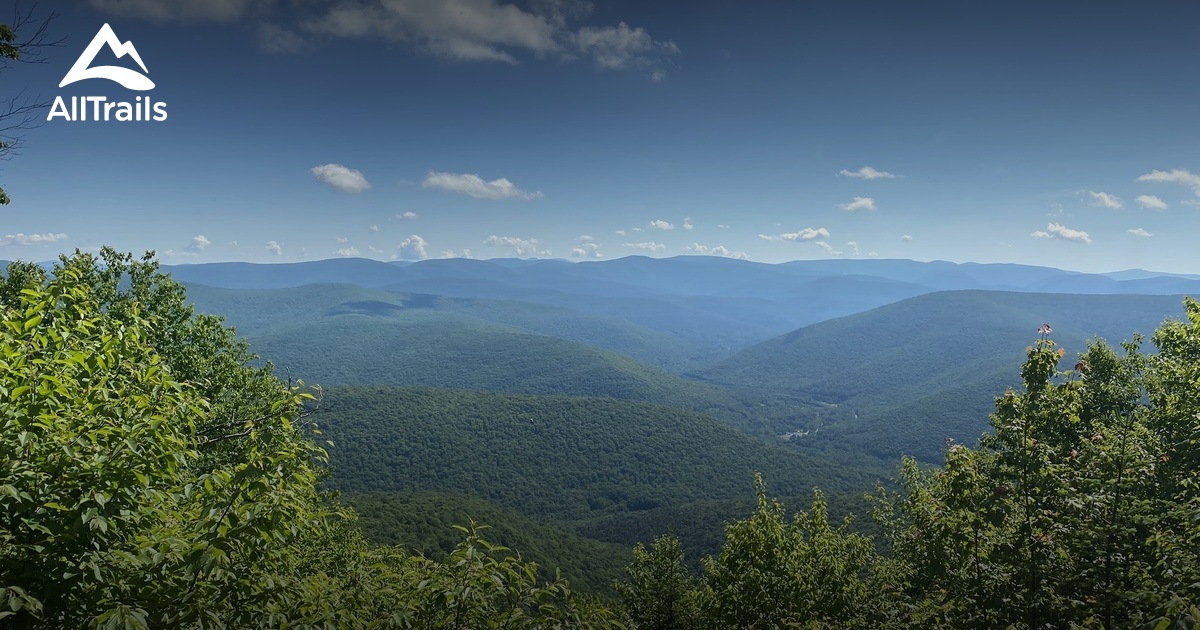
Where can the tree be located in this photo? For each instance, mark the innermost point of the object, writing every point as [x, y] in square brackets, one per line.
[25, 40]
[152, 476]
[660, 594]
[1079, 509]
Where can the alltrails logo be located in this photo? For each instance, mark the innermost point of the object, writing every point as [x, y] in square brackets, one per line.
[99, 107]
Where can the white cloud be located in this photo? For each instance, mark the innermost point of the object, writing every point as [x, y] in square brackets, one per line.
[31, 239]
[374, 250]
[1060, 231]
[341, 178]
[807, 234]
[687, 223]
[182, 10]
[411, 248]
[828, 248]
[659, 224]
[373, 229]
[1195, 203]
[867, 172]
[859, 203]
[407, 216]
[199, 243]
[274, 248]
[462, 30]
[520, 246]
[1151, 202]
[719, 250]
[906, 238]
[615, 47]
[1106, 200]
[474, 186]
[449, 253]
[637, 229]
[586, 249]
[481, 30]
[1139, 232]
[649, 246]
[348, 251]
[722, 226]
[872, 254]
[853, 245]
[585, 238]
[620, 232]
[341, 240]
[1177, 176]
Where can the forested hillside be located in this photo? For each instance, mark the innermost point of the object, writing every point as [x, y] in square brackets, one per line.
[258, 312]
[901, 378]
[155, 475]
[558, 457]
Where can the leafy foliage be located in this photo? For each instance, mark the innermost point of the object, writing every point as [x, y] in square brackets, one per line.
[150, 477]
[424, 522]
[1079, 510]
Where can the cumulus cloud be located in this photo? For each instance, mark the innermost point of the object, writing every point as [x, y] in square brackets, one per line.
[1060, 231]
[906, 238]
[449, 253]
[407, 216]
[867, 172]
[807, 234]
[585, 238]
[474, 186]
[347, 251]
[341, 240]
[341, 178]
[620, 232]
[687, 223]
[1106, 200]
[519, 246]
[199, 243]
[411, 248]
[586, 249]
[853, 245]
[373, 229]
[1176, 176]
[616, 47]
[182, 10]
[31, 239]
[659, 224]
[1139, 232]
[274, 248]
[859, 203]
[719, 250]
[649, 246]
[1151, 202]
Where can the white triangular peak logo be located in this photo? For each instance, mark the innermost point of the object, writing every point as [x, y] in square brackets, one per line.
[128, 78]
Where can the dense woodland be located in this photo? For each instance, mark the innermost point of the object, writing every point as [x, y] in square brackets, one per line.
[153, 473]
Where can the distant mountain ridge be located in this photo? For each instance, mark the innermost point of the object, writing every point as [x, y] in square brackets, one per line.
[902, 377]
[717, 305]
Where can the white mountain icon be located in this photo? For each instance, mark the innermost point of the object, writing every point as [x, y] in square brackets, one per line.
[126, 77]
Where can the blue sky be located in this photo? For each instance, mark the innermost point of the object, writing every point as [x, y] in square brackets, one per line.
[1062, 135]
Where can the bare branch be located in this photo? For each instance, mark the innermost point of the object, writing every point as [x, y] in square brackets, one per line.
[27, 39]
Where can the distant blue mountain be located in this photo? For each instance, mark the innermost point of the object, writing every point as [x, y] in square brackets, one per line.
[718, 305]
